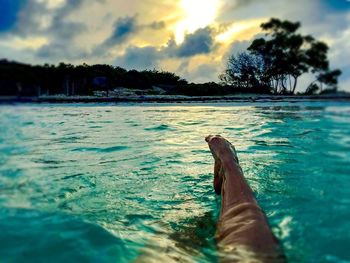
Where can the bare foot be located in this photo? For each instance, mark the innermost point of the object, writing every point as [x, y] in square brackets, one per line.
[242, 230]
[220, 147]
[222, 151]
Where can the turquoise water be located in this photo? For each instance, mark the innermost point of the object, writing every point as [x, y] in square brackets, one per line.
[92, 183]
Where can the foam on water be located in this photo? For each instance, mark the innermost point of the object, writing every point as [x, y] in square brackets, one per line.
[125, 183]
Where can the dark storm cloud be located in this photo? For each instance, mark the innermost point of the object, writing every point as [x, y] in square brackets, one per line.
[199, 42]
[123, 28]
[127, 26]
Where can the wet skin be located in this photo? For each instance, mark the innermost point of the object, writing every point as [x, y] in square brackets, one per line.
[243, 233]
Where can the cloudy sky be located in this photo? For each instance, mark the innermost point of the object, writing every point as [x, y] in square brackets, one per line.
[192, 38]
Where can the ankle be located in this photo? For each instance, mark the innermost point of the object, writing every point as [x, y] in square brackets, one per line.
[230, 163]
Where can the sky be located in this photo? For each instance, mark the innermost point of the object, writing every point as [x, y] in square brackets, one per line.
[192, 38]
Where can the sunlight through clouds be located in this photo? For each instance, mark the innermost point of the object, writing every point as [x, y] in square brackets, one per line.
[18, 43]
[197, 14]
[234, 31]
[193, 38]
[53, 3]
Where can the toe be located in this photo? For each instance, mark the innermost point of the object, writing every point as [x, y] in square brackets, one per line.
[208, 138]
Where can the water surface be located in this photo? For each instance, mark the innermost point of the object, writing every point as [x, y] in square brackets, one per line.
[107, 183]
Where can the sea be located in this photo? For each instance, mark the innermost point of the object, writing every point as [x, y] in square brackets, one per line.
[133, 182]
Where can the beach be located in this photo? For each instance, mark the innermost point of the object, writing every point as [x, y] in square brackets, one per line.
[174, 99]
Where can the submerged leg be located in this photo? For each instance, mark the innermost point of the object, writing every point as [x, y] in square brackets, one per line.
[243, 231]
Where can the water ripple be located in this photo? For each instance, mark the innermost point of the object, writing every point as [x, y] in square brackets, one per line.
[95, 149]
[127, 183]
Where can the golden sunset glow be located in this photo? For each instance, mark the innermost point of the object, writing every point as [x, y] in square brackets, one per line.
[52, 3]
[32, 42]
[191, 38]
[237, 30]
[197, 14]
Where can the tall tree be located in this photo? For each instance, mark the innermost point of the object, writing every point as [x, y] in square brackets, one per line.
[287, 55]
[246, 70]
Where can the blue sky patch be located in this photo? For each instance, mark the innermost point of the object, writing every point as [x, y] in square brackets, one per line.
[8, 13]
[337, 5]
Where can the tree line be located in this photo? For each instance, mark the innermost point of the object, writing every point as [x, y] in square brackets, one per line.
[276, 62]
[80, 80]
[272, 64]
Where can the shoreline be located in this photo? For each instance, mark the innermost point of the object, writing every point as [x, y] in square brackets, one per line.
[171, 99]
